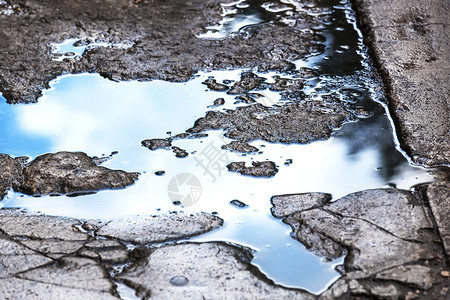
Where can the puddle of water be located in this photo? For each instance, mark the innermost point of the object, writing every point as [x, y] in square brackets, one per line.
[245, 13]
[92, 114]
[74, 48]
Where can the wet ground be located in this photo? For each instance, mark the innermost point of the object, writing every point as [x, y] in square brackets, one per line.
[318, 123]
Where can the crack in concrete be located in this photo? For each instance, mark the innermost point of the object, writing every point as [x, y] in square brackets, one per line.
[423, 196]
[64, 286]
[333, 213]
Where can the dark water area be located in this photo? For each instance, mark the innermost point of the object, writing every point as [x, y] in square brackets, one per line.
[239, 15]
[88, 113]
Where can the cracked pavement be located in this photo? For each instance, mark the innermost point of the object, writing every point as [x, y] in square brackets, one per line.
[397, 243]
[45, 257]
[391, 245]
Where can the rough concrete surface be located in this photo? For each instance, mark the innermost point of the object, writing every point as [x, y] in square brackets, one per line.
[146, 31]
[208, 271]
[386, 234]
[409, 40]
[45, 257]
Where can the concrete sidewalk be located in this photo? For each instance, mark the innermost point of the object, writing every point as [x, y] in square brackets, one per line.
[409, 40]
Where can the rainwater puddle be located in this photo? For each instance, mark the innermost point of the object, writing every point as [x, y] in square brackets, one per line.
[89, 113]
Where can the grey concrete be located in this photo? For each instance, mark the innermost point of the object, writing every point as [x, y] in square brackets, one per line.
[386, 234]
[409, 40]
[209, 271]
[45, 257]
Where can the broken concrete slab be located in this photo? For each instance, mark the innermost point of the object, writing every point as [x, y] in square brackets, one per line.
[151, 229]
[285, 205]
[382, 232]
[95, 266]
[208, 270]
[411, 46]
[68, 173]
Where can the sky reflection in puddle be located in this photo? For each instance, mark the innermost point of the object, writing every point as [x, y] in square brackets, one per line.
[97, 116]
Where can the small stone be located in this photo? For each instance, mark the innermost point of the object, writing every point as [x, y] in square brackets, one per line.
[410, 296]
[154, 144]
[388, 291]
[160, 173]
[217, 102]
[258, 169]
[179, 280]
[180, 153]
[445, 273]
[238, 203]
